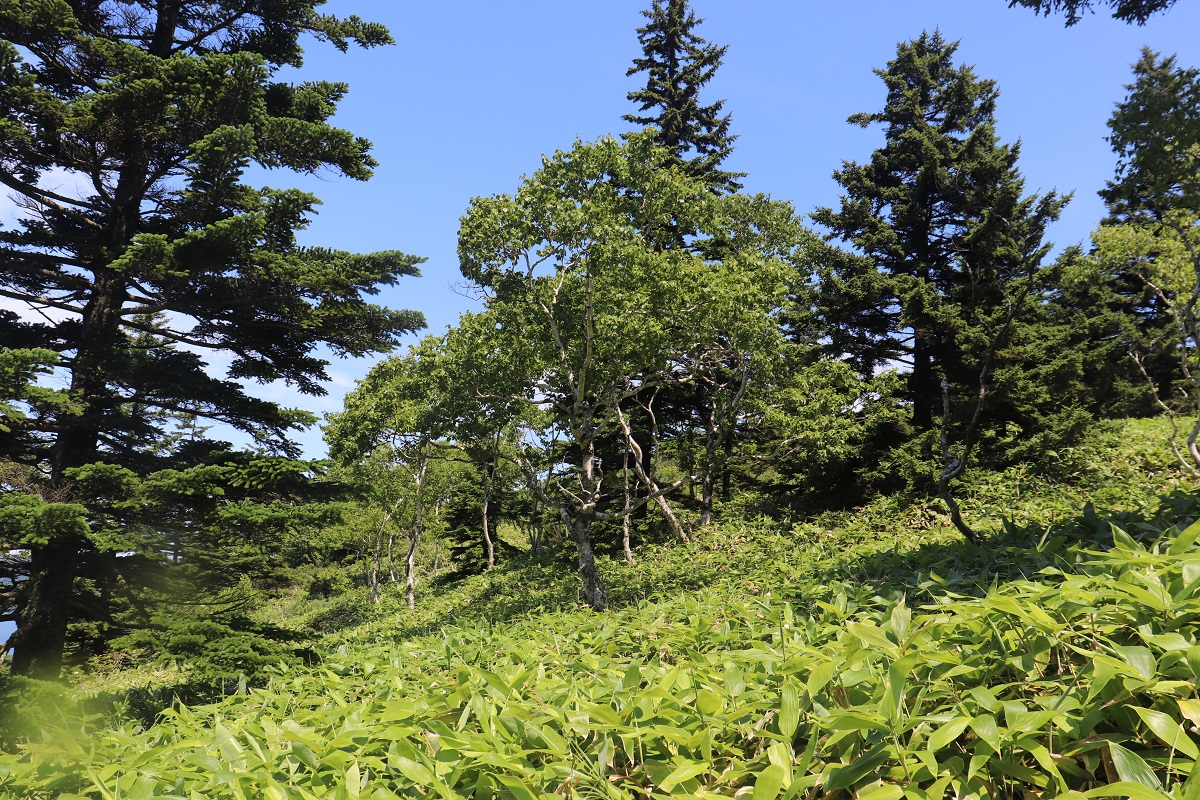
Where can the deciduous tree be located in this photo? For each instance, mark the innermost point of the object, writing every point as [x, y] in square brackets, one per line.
[585, 312]
[1154, 205]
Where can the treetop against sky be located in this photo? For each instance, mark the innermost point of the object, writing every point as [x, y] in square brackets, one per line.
[464, 106]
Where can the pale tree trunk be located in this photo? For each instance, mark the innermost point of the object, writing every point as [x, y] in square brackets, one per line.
[410, 562]
[647, 481]
[708, 480]
[373, 567]
[390, 561]
[625, 522]
[488, 488]
[594, 593]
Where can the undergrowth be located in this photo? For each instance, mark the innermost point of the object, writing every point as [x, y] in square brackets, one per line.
[869, 653]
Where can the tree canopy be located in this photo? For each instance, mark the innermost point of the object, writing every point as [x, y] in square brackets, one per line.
[161, 256]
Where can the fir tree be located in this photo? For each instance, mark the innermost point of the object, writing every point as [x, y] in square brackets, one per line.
[948, 250]
[678, 63]
[155, 109]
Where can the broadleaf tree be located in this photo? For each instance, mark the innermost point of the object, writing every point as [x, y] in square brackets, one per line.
[584, 312]
[127, 131]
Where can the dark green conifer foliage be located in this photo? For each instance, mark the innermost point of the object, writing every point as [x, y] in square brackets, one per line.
[945, 242]
[678, 63]
[147, 113]
[1125, 10]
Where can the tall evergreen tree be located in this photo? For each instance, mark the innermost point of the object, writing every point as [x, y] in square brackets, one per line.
[1153, 232]
[154, 109]
[947, 248]
[678, 63]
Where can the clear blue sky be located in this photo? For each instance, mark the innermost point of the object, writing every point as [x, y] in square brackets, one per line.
[466, 103]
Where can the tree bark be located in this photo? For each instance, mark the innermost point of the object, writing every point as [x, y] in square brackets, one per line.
[625, 523]
[488, 487]
[45, 610]
[594, 593]
[410, 561]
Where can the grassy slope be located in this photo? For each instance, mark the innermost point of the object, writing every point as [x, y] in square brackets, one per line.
[870, 654]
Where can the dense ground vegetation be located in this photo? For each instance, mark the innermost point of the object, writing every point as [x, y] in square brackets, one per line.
[871, 652]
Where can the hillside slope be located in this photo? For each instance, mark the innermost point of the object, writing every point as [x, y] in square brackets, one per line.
[868, 655]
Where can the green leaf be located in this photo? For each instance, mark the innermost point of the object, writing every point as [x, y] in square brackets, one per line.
[1123, 541]
[947, 733]
[633, 676]
[518, 787]
[305, 755]
[683, 772]
[899, 621]
[735, 682]
[1168, 730]
[1141, 659]
[1131, 789]
[847, 775]
[884, 791]
[708, 702]
[1190, 709]
[789, 710]
[820, 675]
[1184, 541]
[768, 783]
[1132, 767]
[986, 729]
[414, 770]
[1193, 660]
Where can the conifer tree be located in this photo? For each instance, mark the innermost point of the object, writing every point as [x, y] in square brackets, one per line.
[948, 248]
[678, 63]
[149, 112]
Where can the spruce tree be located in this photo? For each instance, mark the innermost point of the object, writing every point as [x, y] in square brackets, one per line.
[678, 63]
[157, 251]
[947, 250]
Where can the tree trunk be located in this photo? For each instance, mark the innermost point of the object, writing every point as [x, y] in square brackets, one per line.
[390, 561]
[410, 571]
[488, 486]
[594, 593]
[45, 609]
[727, 447]
[921, 383]
[410, 562]
[373, 566]
[625, 523]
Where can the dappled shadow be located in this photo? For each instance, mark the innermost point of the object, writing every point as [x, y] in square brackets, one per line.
[950, 565]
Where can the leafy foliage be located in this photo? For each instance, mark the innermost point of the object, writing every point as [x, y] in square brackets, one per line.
[827, 658]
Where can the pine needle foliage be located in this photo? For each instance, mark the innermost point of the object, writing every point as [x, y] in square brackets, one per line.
[678, 62]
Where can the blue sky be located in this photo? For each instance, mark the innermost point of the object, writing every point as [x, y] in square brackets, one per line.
[466, 103]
